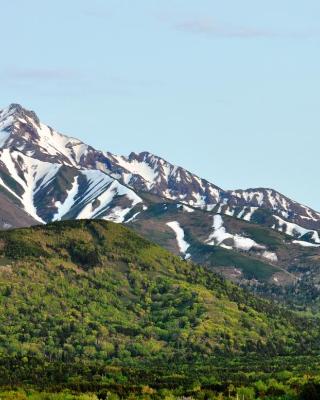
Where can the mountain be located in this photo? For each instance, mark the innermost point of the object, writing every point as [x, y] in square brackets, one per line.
[40, 174]
[256, 237]
[268, 262]
[22, 132]
[149, 173]
[97, 291]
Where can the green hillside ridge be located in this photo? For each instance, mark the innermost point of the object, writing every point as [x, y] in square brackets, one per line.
[96, 291]
[292, 278]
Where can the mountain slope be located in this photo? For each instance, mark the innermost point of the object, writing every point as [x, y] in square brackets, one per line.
[39, 171]
[254, 236]
[149, 173]
[21, 130]
[48, 191]
[11, 214]
[251, 254]
[94, 290]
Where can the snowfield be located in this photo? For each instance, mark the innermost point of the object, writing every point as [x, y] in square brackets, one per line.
[63, 208]
[219, 235]
[98, 190]
[292, 229]
[182, 244]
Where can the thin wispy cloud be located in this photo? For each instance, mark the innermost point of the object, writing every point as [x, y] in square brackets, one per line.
[52, 75]
[67, 82]
[212, 28]
[209, 27]
[41, 74]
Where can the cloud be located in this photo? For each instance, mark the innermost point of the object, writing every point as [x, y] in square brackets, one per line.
[208, 27]
[39, 74]
[65, 82]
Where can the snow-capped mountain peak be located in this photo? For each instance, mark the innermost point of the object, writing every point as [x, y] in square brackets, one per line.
[44, 172]
[22, 132]
[17, 112]
[150, 173]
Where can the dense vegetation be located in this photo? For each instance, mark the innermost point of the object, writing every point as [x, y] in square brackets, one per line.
[250, 378]
[91, 306]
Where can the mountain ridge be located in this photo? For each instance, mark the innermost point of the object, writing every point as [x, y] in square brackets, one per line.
[146, 172]
[255, 236]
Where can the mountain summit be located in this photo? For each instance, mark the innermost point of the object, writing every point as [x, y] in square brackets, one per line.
[22, 132]
[41, 171]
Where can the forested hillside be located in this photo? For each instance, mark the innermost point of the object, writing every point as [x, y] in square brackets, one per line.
[94, 290]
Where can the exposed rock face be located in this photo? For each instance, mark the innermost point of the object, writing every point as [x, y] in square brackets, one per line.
[51, 176]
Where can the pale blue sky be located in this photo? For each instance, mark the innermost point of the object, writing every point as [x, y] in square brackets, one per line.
[228, 89]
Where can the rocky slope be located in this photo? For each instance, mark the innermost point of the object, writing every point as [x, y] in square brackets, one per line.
[40, 174]
[23, 134]
[149, 173]
[248, 235]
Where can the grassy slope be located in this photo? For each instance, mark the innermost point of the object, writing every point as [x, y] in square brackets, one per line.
[97, 291]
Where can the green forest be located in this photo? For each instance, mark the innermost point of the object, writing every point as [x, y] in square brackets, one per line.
[91, 310]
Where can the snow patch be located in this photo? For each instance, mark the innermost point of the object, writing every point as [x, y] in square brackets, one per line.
[133, 217]
[305, 244]
[143, 169]
[175, 226]
[187, 209]
[219, 235]
[3, 137]
[250, 211]
[293, 229]
[35, 176]
[269, 255]
[63, 208]
[102, 189]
